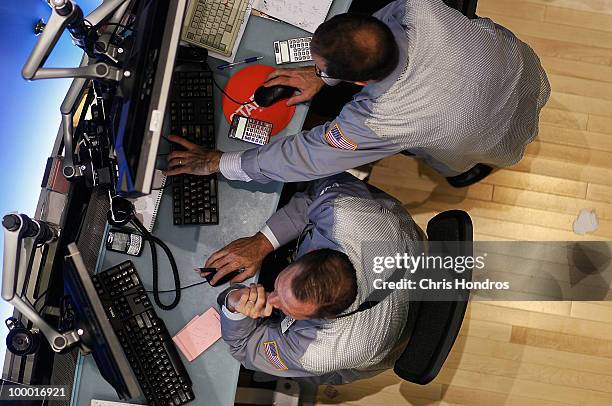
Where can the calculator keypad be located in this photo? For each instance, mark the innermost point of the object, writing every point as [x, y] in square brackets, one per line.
[257, 132]
[300, 49]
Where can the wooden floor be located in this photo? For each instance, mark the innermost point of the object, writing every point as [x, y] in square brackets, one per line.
[526, 353]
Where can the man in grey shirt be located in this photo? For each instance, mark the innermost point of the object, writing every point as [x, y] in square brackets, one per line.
[325, 331]
[452, 91]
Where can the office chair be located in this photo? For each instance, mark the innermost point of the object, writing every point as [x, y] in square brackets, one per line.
[434, 325]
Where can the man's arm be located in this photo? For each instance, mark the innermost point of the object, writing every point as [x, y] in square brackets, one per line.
[325, 150]
[288, 222]
[260, 344]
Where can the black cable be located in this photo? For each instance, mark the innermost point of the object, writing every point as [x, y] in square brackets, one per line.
[180, 288]
[38, 299]
[228, 96]
[155, 267]
[116, 25]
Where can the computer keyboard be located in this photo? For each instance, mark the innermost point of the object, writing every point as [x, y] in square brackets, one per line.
[214, 24]
[143, 336]
[195, 199]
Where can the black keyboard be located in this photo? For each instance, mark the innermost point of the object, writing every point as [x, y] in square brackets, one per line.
[195, 199]
[143, 336]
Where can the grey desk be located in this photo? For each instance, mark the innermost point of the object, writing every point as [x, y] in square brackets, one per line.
[244, 208]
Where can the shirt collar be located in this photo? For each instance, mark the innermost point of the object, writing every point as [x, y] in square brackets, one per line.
[377, 89]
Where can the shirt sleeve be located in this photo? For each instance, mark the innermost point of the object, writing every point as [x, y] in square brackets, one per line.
[325, 150]
[260, 345]
[289, 221]
[230, 167]
[395, 9]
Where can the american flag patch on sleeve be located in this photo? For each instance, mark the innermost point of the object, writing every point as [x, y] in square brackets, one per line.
[336, 139]
[271, 350]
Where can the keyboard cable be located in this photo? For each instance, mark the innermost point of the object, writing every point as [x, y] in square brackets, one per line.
[155, 266]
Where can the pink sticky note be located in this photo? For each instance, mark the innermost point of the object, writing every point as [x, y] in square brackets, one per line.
[176, 338]
[199, 334]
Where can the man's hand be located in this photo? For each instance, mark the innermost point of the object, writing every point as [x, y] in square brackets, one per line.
[194, 161]
[304, 79]
[246, 253]
[251, 301]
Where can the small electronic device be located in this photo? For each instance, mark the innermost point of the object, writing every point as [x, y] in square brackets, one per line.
[215, 24]
[292, 50]
[210, 273]
[250, 130]
[126, 243]
[267, 96]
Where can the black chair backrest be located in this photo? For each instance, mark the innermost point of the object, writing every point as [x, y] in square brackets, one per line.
[434, 325]
[467, 7]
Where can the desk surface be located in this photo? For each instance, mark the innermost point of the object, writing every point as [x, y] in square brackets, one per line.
[243, 207]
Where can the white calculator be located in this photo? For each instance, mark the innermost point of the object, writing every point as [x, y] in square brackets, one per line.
[250, 130]
[292, 50]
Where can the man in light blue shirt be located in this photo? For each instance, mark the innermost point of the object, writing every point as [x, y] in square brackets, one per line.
[325, 332]
[460, 92]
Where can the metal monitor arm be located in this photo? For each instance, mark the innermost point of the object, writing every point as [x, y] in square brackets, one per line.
[21, 237]
[67, 14]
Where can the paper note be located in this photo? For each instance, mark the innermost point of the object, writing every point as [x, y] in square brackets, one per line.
[199, 334]
[305, 14]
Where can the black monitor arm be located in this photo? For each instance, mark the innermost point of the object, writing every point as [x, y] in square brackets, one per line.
[67, 14]
[21, 236]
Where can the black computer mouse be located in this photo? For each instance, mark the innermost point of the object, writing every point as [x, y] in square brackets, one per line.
[267, 96]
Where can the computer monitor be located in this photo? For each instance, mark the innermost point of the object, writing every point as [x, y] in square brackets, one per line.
[140, 103]
[98, 334]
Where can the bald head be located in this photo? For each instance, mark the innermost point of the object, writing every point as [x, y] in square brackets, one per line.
[356, 48]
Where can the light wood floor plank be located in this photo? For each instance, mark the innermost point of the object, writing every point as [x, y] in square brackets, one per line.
[505, 212]
[599, 6]
[541, 356]
[581, 104]
[519, 387]
[575, 35]
[567, 170]
[581, 87]
[601, 193]
[575, 138]
[544, 201]
[599, 124]
[391, 177]
[479, 397]
[486, 329]
[578, 69]
[525, 370]
[559, 324]
[561, 342]
[569, 51]
[528, 11]
[538, 183]
[549, 307]
[563, 118]
[592, 311]
[576, 18]
[566, 153]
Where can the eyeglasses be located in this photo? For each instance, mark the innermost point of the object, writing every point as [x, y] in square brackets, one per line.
[322, 74]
